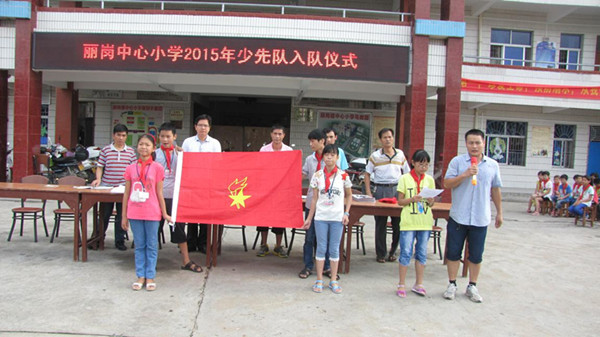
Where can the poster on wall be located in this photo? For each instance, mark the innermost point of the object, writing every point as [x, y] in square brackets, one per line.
[545, 54]
[353, 130]
[541, 139]
[497, 149]
[139, 119]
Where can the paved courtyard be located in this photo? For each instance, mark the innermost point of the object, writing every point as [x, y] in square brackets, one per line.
[539, 278]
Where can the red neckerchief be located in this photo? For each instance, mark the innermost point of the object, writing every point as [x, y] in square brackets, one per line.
[328, 175]
[585, 188]
[319, 158]
[144, 164]
[417, 179]
[555, 187]
[167, 151]
[564, 187]
[544, 182]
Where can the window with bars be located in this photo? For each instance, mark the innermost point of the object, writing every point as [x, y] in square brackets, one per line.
[506, 142]
[563, 150]
[44, 125]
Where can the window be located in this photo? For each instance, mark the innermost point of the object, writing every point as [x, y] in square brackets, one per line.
[44, 124]
[563, 151]
[505, 142]
[570, 51]
[511, 47]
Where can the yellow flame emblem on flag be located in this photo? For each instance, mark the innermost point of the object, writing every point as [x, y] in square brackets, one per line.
[236, 192]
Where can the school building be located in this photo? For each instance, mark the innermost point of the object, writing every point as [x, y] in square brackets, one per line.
[525, 72]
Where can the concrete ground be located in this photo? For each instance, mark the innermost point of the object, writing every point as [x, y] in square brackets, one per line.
[538, 278]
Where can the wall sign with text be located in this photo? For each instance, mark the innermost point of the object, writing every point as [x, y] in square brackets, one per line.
[220, 55]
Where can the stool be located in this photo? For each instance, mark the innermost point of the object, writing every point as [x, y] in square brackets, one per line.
[358, 229]
[546, 206]
[590, 212]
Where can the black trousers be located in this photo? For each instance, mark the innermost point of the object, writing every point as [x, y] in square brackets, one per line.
[381, 223]
[196, 239]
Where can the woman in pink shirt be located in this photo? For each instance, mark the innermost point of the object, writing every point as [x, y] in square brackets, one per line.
[143, 207]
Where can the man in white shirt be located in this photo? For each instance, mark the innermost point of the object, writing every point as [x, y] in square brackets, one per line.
[276, 144]
[384, 169]
[201, 142]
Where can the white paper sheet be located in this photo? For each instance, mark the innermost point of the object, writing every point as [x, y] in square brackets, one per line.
[430, 193]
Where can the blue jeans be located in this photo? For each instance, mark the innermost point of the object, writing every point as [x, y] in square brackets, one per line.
[578, 209]
[310, 241]
[145, 237]
[407, 241]
[560, 203]
[329, 235]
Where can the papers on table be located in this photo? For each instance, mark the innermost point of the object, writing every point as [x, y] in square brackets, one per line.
[93, 188]
[118, 189]
[362, 197]
[51, 185]
[430, 193]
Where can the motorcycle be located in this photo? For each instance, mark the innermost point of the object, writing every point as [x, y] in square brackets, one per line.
[356, 172]
[64, 163]
[88, 166]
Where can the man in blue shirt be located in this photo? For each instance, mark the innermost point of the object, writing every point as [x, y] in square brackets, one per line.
[331, 138]
[473, 177]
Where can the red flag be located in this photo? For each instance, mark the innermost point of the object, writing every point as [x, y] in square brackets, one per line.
[239, 188]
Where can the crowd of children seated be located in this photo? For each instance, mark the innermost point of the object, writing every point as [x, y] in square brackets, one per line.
[566, 200]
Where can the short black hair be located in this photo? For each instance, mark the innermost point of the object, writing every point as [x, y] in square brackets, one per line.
[546, 173]
[597, 181]
[475, 132]
[384, 130]
[594, 174]
[328, 130]
[420, 156]
[120, 128]
[576, 176]
[557, 176]
[278, 127]
[316, 134]
[585, 177]
[331, 148]
[201, 117]
[167, 127]
[540, 172]
[564, 176]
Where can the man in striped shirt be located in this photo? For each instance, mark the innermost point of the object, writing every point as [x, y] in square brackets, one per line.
[113, 161]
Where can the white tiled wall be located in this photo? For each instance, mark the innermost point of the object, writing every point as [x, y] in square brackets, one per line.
[7, 45]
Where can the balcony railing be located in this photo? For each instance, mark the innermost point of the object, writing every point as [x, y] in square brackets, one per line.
[532, 63]
[239, 7]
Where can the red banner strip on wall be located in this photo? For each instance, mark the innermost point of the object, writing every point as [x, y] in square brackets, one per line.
[526, 89]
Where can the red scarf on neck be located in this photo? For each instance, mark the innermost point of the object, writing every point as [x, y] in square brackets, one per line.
[328, 175]
[417, 179]
[145, 164]
[167, 151]
[585, 188]
[319, 158]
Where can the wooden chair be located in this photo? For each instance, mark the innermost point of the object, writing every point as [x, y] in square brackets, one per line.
[588, 212]
[41, 165]
[30, 213]
[64, 213]
[546, 207]
[436, 235]
[298, 231]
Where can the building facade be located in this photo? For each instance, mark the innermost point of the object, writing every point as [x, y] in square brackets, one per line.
[526, 72]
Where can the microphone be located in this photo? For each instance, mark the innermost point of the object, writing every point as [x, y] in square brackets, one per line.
[474, 178]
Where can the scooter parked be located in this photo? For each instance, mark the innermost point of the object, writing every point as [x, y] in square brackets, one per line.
[356, 172]
[64, 163]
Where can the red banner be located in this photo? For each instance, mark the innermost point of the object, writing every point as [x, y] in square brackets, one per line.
[525, 89]
[239, 188]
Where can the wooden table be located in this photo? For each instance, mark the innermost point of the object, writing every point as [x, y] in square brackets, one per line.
[90, 198]
[360, 208]
[65, 193]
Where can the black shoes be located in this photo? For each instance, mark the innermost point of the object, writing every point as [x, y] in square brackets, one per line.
[120, 245]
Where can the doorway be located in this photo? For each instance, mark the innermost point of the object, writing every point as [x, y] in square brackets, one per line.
[85, 128]
[243, 123]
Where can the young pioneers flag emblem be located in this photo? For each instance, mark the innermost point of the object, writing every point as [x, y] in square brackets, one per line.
[239, 188]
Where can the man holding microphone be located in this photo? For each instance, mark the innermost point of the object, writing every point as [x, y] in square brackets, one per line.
[473, 177]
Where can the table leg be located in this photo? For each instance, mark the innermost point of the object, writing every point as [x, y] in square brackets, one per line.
[352, 220]
[208, 245]
[215, 244]
[83, 236]
[76, 235]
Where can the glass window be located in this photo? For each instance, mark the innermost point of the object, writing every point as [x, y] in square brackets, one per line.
[44, 125]
[570, 51]
[563, 151]
[500, 36]
[506, 142]
[511, 47]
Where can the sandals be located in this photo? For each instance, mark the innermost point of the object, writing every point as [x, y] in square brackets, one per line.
[335, 287]
[381, 259]
[401, 292]
[137, 286]
[150, 286]
[192, 266]
[328, 274]
[305, 273]
[392, 258]
[419, 290]
[318, 286]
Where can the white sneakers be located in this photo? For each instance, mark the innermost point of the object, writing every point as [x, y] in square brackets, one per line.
[450, 292]
[472, 293]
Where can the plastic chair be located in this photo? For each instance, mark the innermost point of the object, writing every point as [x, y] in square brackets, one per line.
[64, 213]
[30, 213]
